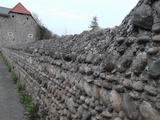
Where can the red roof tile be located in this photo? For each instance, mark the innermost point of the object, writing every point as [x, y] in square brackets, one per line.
[19, 8]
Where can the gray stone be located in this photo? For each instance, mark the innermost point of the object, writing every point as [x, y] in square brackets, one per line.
[88, 70]
[85, 106]
[119, 88]
[87, 101]
[98, 117]
[130, 40]
[151, 90]
[158, 105]
[156, 38]
[154, 70]
[124, 62]
[102, 75]
[70, 105]
[80, 111]
[96, 92]
[157, 8]
[122, 114]
[117, 118]
[107, 85]
[129, 107]
[107, 114]
[89, 58]
[140, 63]
[120, 40]
[156, 28]
[104, 97]
[82, 98]
[87, 116]
[115, 100]
[142, 17]
[107, 66]
[98, 82]
[148, 112]
[135, 95]
[88, 89]
[127, 83]
[143, 39]
[88, 79]
[81, 70]
[152, 51]
[99, 108]
[138, 86]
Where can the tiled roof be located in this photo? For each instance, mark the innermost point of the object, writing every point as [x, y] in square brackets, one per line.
[4, 11]
[19, 8]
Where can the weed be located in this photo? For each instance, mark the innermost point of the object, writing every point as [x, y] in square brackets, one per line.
[31, 110]
[14, 77]
[19, 87]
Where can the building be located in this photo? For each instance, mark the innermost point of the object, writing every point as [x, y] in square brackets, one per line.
[17, 26]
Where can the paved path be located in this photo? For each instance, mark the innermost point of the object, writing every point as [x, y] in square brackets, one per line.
[10, 106]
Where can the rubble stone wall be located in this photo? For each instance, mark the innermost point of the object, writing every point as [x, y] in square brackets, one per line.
[112, 74]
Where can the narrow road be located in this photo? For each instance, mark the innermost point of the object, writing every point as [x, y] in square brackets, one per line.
[10, 106]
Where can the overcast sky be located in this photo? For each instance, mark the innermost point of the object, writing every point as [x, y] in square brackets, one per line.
[74, 16]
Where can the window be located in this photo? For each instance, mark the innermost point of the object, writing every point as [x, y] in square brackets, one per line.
[27, 18]
[30, 35]
[10, 34]
[12, 16]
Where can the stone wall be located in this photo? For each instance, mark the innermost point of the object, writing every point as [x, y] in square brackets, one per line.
[113, 74]
[18, 29]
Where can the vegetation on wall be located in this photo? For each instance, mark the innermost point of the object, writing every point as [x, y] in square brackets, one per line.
[45, 33]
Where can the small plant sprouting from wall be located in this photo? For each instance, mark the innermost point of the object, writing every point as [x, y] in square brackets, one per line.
[14, 77]
[31, 110]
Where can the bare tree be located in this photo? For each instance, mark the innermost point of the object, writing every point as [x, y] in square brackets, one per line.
[45, 33]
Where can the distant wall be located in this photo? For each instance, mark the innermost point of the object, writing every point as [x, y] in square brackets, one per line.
[18, 29]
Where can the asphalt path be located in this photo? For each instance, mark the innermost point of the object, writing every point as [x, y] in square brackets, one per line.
[10, 106]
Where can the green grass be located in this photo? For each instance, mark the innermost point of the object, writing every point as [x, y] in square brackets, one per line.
[14, 77]
[31, 110]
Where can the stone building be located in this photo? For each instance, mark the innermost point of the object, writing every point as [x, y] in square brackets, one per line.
[17, 26]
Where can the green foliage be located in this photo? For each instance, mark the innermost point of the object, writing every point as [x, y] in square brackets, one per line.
[31, 110]
[94, 24]
[44, 32]
[19, 87]
[6, 63]
[14, 77]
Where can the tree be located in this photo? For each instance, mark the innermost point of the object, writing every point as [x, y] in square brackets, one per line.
[45, 33]
[94, 24]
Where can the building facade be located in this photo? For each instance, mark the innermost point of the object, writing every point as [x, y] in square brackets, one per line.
[17, 26]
